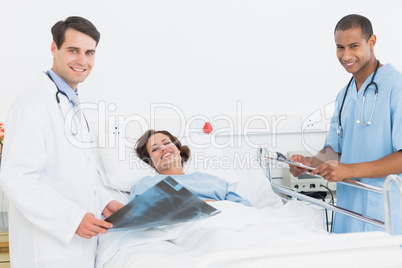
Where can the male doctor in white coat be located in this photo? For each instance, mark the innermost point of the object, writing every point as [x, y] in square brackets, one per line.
[47, 172]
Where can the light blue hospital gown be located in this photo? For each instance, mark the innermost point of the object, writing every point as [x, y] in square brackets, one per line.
[360, 143]
[204, 186]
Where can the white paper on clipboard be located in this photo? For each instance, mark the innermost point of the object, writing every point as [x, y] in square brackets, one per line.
[287, 163]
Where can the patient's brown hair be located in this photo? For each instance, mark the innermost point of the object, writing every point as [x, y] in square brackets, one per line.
[142, 151]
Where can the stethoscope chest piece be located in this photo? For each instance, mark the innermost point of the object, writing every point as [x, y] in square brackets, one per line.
[361, 121]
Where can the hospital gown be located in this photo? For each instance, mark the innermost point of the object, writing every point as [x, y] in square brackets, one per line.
[203, 185]
[358, 143]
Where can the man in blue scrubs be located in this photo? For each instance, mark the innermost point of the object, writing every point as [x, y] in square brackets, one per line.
[364, 143]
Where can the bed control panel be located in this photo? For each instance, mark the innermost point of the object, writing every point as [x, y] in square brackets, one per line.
[306, 182]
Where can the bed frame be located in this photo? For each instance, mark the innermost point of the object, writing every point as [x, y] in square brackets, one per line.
[385, 191]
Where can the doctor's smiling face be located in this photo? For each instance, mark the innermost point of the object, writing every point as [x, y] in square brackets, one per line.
[163, 153]
[74, 59]
[354, 51]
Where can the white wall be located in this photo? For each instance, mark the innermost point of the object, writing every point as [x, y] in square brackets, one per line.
[201, 57]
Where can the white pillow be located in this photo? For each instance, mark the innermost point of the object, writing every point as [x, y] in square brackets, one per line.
[121, 171]
[255, 187]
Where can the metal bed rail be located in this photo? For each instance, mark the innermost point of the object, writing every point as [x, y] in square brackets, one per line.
[385, 191]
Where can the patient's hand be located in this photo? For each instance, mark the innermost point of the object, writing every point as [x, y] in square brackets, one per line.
[111, 208]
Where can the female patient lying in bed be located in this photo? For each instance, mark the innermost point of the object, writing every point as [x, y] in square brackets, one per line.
[238, 231]
[164, 152]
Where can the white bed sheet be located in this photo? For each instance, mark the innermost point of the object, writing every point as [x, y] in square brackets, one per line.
[240, 236]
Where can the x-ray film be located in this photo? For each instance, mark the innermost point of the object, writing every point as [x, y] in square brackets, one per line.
[168, 202]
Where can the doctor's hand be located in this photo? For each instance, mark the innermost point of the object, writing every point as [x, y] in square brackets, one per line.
[297, 171]
[91, 226]
[333, 171]
[111, 208]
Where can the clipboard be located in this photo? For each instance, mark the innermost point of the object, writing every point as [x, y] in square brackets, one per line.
[288, 162]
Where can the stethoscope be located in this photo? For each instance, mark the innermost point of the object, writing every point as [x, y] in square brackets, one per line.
[74, 130]
[361, 121]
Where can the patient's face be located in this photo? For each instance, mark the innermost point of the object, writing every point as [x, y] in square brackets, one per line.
[164, 154]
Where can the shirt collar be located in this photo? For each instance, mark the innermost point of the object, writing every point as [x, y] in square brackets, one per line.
[62, 85]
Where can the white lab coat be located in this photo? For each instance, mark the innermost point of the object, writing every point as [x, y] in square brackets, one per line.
[50, 182]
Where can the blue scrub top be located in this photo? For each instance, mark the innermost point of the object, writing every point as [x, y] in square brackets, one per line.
[358, 143]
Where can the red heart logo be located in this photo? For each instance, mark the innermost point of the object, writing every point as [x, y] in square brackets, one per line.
[207, 128]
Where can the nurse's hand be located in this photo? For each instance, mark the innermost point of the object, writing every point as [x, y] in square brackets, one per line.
[111, 208]
[91, 226]
[333, 171]
[297, 171]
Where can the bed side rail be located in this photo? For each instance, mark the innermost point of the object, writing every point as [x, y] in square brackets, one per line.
[385, 191]
[387, 199]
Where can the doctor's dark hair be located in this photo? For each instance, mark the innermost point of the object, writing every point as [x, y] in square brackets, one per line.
[142, 150]
[355, 21]
[77, 23]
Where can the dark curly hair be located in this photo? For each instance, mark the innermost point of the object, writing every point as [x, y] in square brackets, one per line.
[142, 151]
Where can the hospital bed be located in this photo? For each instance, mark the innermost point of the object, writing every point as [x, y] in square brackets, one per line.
[265, 156]
[272, 234]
